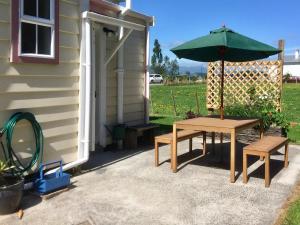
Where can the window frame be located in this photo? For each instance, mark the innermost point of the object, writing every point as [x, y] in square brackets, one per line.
[18, 17]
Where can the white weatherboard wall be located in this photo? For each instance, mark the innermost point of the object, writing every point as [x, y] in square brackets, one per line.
[48, 91]
[294, 70]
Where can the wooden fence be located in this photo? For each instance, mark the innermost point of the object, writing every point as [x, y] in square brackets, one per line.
[244, 82]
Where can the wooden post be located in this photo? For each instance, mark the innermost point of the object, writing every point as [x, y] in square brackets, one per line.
[174, 104]
[222, 92]
[281, 58]
[197, 103]
[281, 47]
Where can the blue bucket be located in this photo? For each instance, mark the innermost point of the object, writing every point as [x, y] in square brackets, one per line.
[51, 182]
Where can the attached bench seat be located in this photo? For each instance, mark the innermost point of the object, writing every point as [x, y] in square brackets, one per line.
[181, 136]
[264, 148]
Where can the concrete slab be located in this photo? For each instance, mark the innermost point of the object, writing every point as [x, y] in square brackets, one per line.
[124, 187]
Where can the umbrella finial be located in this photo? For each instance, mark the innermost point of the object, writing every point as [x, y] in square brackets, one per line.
[223, 25]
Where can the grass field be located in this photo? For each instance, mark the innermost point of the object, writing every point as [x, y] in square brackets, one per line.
[162, 107]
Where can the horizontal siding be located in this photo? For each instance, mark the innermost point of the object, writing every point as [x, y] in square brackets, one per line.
[69, 41]
[50, 92]
[5, 31]
[5, 12]
[23, 84]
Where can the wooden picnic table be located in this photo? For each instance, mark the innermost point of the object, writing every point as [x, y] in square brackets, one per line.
[230, 125]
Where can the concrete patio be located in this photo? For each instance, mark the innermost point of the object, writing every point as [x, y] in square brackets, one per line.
[124, 187]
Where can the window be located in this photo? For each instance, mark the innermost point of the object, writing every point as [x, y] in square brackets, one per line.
[36, 31]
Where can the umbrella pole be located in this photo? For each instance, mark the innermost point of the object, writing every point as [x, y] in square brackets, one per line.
[222, 92]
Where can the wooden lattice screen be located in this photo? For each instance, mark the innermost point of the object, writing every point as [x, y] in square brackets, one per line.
[265, 77]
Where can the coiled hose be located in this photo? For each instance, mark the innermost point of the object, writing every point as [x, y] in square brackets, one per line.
[18, 167]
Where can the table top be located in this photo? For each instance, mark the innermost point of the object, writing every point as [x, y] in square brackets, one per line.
[228, 122]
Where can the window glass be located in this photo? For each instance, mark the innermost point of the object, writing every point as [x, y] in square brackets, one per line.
[28, 34]
[30, 7]
[157, 75]
[44, 9]
[44, 40]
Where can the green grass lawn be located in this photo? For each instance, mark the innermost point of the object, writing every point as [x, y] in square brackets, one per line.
[162, 109]
[293, 214]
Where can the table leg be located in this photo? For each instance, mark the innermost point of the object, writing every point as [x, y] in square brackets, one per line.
[174, 150]
[261, 135]
[190, 145]
[222, 149]
[232, 155]
[213, 135]
[204, 143]
[267, 170]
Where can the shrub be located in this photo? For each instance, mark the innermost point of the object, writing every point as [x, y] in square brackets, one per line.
[263, 110]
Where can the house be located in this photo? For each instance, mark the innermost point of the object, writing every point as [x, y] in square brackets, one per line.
[79, 66]
[292, 65]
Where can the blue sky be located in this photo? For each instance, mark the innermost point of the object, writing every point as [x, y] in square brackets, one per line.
[264, 20]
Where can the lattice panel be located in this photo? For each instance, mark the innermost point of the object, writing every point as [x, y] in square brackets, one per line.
[241, 78]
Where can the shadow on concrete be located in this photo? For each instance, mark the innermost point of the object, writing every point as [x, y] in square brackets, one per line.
[275, 166]
[220, 159]
[29, 200]
[102, 159]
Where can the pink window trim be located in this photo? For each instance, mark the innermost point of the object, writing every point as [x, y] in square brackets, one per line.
[15, 58]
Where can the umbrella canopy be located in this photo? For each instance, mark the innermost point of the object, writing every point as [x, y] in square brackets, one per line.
[226, 45]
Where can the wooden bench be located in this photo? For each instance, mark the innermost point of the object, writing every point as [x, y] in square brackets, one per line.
[134, 132]
[182, 135]
[264, 148]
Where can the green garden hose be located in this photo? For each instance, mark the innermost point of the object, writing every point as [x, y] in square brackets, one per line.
[9, 153]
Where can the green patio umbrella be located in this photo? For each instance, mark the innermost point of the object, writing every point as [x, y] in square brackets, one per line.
[226, 45]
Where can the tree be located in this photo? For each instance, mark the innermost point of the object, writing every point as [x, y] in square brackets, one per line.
[166, 65]
[174, 68]
[157, 59]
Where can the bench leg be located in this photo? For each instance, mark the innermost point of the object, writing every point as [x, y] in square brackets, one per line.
[156, 154]
[204, 143]
[245, 165]
[171, 148]
[286, 155]
[267, 170]
[190, 145]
